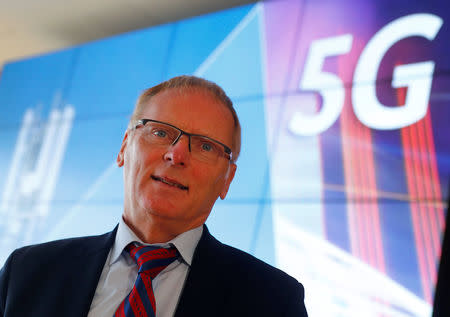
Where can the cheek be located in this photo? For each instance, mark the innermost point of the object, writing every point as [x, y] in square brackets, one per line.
[209, 180]
[135, 166]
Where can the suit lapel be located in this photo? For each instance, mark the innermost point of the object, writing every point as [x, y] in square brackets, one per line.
[86, 267]
[204, 292]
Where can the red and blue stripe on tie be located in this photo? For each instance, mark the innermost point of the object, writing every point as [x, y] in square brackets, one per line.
[151, 261]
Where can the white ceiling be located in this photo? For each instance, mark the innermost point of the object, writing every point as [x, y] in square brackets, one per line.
[30, 27]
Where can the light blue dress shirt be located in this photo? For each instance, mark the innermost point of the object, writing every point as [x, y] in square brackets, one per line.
[120, 272]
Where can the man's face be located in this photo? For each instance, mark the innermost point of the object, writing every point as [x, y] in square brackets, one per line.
[165, 182]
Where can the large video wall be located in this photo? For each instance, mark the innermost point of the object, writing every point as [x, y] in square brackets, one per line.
[344, 173]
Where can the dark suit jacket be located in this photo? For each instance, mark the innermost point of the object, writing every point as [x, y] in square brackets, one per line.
[59, 278]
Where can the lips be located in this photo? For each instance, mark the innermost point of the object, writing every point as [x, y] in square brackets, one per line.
[169, 182]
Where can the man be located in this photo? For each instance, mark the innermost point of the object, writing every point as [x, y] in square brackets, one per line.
[178, 156]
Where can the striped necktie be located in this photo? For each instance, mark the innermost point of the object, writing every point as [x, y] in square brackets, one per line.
[150, 260]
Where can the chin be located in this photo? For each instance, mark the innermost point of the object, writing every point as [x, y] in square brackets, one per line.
[163, 209]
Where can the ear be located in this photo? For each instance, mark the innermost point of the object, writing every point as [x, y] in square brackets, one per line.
[120, 157]
[229, 178]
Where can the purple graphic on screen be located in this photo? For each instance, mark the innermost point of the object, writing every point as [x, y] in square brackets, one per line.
[364, 191]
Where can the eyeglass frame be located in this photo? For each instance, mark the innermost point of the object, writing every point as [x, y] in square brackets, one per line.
[227, 150]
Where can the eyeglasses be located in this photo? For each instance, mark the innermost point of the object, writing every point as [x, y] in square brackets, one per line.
[201, 147]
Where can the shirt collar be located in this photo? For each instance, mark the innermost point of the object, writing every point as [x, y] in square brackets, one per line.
[185, 242]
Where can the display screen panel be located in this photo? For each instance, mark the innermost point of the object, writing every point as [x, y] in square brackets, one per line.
[343, 176]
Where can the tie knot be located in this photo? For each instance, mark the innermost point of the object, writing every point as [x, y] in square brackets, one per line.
[152, 260]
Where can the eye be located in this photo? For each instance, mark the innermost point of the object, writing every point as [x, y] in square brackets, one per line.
[159, 133]
[207, 147]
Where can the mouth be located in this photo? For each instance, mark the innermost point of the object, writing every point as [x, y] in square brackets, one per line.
[169, 182]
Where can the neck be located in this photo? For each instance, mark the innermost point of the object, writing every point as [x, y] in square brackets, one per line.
[156, 230]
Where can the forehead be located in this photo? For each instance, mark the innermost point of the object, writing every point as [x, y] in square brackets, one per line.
[195, 110]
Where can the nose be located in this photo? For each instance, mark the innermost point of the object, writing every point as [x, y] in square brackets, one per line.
[178, 153]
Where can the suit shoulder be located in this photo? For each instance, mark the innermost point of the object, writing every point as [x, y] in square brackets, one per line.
[57, 248]
[250, 267]
[259, 284]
